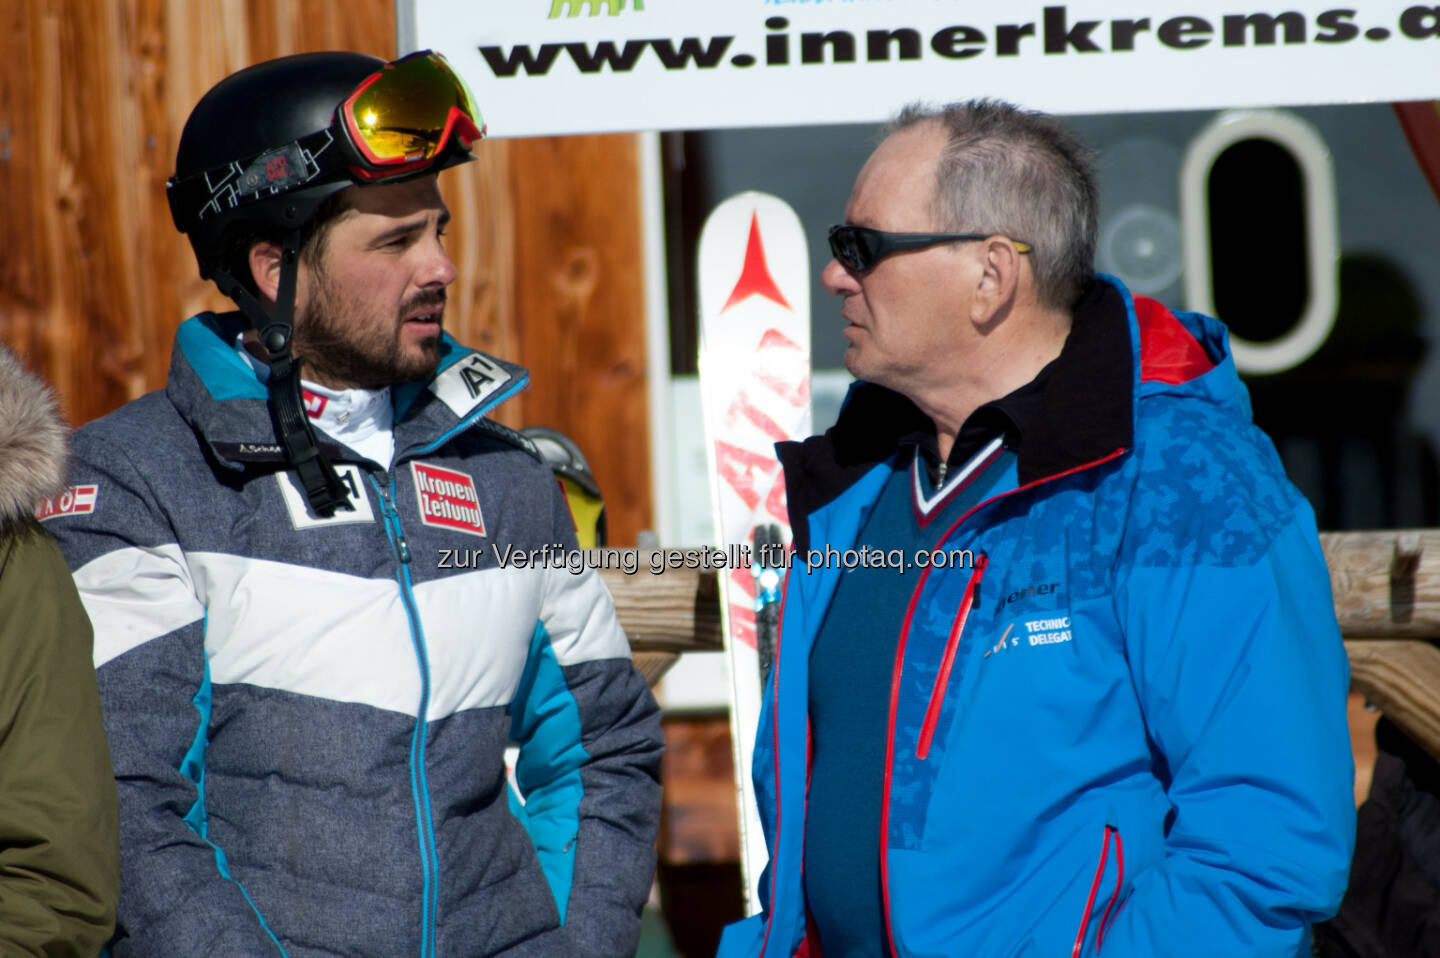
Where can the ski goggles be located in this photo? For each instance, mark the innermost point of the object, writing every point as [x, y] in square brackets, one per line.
[405, 114]
[859, 248]
[412, 114]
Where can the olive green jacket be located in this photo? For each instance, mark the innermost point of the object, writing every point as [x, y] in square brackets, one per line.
[59, 854]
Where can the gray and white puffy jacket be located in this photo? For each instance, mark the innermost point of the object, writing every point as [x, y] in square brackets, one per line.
[308, 716]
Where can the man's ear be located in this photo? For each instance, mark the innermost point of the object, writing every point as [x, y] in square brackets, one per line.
[998, 280]
[265, 268]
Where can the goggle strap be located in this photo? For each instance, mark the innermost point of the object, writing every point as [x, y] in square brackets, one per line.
[280, 170]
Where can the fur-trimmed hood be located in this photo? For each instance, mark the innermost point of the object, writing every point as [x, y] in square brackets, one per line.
[32, 441]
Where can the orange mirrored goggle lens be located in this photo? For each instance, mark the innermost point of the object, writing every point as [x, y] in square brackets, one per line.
[408, 111]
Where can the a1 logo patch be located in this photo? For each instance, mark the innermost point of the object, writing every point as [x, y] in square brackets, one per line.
[469, 383]
[447, 499]
[75, 501]
[357, 510]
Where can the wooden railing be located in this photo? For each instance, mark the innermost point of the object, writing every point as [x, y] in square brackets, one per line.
[1387, 601]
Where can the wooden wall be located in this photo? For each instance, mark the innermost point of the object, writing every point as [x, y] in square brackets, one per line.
[94, 278]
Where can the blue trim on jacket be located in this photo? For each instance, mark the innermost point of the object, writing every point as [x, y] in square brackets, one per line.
[547, 726]
[192, 766]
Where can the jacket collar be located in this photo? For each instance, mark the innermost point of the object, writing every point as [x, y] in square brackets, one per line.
[219, 394]
[1081, 408]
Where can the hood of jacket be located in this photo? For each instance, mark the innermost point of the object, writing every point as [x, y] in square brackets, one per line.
[32, 441]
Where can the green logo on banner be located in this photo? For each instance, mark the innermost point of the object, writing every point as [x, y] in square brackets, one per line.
[558, 7]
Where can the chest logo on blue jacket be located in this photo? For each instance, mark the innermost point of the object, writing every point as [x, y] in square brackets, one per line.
[1049, 629]
[1038, 588]
[447, 499]
[358, 509]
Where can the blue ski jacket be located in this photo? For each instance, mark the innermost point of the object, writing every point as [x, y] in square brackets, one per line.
[1121, 728]
[308, 715]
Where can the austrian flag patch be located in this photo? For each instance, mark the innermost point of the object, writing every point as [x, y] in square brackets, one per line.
[75, 501]
[447, 499]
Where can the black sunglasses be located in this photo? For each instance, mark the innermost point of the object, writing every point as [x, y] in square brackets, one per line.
[859, 248]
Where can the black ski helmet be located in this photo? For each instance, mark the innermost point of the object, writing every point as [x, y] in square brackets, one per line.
[266, 146]
[273, 112]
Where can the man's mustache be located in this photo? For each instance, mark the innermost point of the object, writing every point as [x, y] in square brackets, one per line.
[430, 298]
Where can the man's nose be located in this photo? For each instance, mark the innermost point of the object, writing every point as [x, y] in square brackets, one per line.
[439, 268]
[837, 280]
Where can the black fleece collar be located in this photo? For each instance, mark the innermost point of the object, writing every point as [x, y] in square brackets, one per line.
[1078, 409]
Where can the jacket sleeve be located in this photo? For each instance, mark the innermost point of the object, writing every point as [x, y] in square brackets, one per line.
[1242, 678]
[59, 867]
[589, 764]
[176, 898]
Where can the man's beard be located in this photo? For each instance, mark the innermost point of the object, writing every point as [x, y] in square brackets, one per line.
[367, 358]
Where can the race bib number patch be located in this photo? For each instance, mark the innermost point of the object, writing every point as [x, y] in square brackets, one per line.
[75, 501]
[447, 499]
[469, 382]
[301, 517]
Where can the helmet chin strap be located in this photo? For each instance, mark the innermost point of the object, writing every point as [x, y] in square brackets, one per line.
[323, 488]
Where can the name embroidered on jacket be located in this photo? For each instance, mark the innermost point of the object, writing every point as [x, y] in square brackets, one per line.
[447, 498]
[77, 500]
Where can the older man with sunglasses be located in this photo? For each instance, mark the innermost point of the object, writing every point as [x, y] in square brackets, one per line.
[1101, 698]
[307, 705]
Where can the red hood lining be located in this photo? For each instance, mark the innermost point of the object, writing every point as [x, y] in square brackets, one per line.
[1168, 353]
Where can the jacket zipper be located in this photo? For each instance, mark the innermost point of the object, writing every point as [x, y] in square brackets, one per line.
[1106, 917]
[419, 784]
[942, 679]
[895, 685]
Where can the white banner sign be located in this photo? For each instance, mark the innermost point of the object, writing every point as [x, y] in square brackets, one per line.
[578, 66]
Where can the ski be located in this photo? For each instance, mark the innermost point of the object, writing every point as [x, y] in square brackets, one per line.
[754, 298]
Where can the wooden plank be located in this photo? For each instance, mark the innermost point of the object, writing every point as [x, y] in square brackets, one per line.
[653, 665]
[678, 610]
[1402, 679]
[1386, 584]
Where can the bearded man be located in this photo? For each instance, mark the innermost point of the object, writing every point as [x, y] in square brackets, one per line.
[307, 707]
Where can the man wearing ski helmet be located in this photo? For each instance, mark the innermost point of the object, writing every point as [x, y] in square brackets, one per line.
[311, 643]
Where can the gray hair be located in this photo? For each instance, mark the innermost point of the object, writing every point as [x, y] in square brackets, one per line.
[1024, 174]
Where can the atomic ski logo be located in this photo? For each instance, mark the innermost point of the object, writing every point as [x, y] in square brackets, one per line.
[613, 7]
[755, 278]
